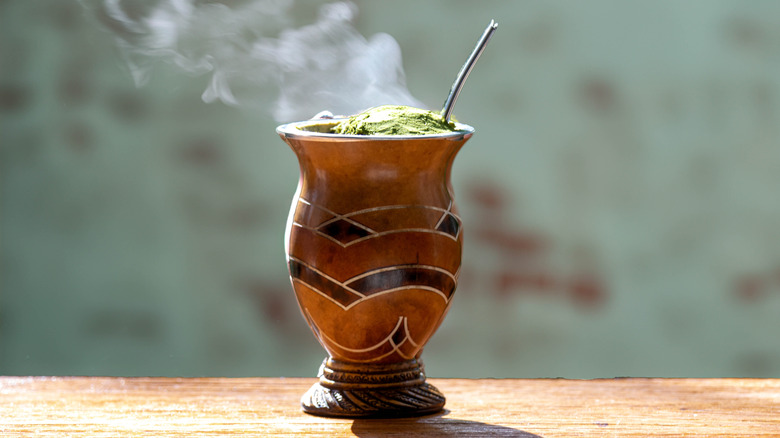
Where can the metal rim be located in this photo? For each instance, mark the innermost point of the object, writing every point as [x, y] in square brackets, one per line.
[292, 130]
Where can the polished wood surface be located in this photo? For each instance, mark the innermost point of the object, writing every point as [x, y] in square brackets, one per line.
[163, 407]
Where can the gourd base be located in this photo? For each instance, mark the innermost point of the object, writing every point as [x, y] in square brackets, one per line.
[354, 390]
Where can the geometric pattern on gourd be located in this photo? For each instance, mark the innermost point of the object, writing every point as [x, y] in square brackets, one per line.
[359, 226]
[373, 283]
[399, 341]
[350, 228]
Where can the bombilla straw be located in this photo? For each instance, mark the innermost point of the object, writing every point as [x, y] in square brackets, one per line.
[449, 104]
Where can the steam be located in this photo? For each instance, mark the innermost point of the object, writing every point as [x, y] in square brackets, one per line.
[256, 56]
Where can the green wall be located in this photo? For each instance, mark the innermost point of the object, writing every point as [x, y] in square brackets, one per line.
[619, 196]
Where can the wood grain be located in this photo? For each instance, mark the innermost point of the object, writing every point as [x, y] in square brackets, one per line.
[163, 407]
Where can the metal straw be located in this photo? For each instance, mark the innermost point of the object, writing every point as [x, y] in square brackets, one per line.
[446, 112]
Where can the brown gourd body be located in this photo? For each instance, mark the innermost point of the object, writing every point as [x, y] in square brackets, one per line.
[374, 241]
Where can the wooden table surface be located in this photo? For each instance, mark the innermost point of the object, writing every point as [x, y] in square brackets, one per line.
[163, 407]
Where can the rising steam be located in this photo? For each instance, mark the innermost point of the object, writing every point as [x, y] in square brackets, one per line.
[257, 57]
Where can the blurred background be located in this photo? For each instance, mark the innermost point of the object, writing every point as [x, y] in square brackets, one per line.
[619, 196]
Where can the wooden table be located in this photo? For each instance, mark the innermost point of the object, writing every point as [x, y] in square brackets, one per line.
[162, 407]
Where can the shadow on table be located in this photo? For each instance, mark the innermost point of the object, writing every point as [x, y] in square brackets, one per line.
[433, 425]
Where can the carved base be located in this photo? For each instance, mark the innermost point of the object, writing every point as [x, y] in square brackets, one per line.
[362, 390]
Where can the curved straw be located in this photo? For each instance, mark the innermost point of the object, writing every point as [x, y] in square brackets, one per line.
[446, 111]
